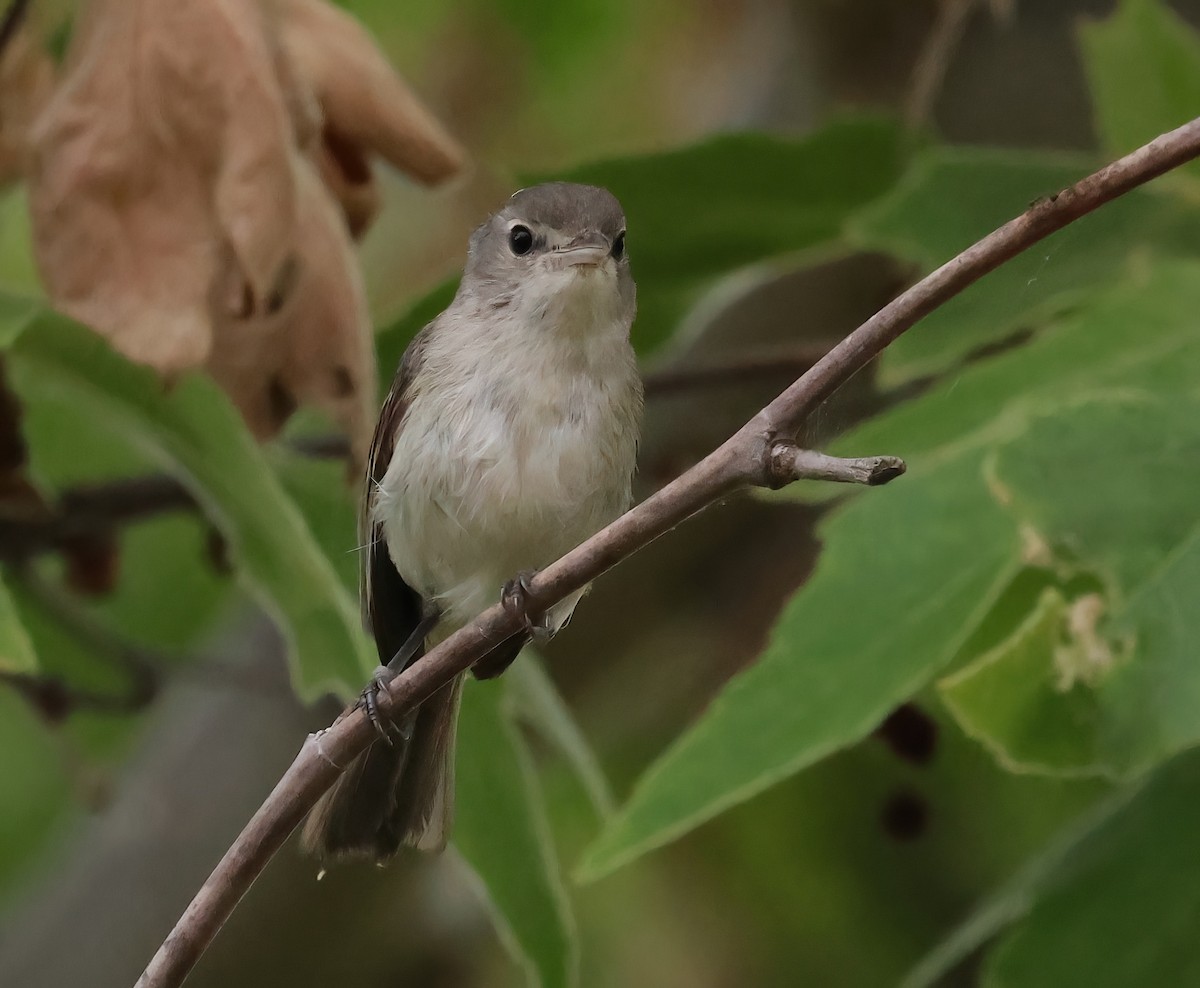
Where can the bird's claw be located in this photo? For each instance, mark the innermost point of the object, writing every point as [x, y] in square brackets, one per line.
[369, 701]
[515, 597]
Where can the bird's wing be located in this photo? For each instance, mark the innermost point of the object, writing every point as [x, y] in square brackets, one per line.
[391, 608]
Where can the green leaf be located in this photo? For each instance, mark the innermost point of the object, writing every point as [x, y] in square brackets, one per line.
[1108, 485]
[1013, 700]
[34, 783]
[194, 431]
[16, 650]
[18, 271]
[701, 213]
[502, 832]
[538, 703]
[893, 597]
[329, 503]
[1123, 908]
[1139, 334]
[1013, 900]
[1143, 68]
[951, 197]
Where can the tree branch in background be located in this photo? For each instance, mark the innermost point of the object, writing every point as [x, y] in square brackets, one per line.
[57, 699]
[747, 458]
[14, 17]
[933, 61]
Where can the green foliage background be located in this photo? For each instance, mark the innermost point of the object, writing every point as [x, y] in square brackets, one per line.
[1050, 417]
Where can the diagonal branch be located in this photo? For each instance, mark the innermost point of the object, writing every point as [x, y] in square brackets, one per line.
[745, 459]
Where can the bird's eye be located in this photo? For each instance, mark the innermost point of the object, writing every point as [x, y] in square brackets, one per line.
[520, 240]
[618, 247]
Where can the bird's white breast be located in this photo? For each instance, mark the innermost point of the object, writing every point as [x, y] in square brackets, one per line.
[519, 442]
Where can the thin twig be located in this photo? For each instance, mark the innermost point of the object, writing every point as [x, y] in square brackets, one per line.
[139, 666]
[790, 463]
[934, 59]
[55, 698]
[744, 459]
[92, 509]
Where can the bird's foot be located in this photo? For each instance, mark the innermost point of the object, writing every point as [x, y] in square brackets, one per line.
[369, 701]
[408, 652]
[515, 598]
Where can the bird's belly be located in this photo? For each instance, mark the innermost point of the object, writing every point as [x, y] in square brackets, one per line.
[473, 507]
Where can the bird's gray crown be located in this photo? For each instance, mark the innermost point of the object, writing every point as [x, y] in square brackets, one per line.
[567, 207]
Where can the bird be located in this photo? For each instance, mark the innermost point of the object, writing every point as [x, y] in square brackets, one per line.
[509, 436]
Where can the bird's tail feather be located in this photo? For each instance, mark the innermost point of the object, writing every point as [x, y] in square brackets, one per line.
[393, 796]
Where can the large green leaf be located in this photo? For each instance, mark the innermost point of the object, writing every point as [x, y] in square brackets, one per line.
[1139, 334]
[698, 214]
[1123, 907]
[953, 196]
[192, 430]
[702, 212]
[1109, 485]
[1143, 68]
[502, 832]
[894, 595]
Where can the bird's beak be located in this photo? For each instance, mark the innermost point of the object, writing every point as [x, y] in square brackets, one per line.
[586, 250]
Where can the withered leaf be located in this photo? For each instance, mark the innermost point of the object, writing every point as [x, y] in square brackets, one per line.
[26, 82]
[366, 108]
[168, 141]
[185, 188]
[313, 346]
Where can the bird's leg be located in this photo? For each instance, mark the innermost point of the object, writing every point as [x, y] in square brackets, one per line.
[515, 598]
[369, 700]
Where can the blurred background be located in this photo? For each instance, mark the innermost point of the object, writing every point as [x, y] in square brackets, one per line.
[843, 875]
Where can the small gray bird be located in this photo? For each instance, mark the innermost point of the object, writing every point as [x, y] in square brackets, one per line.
[508, 437]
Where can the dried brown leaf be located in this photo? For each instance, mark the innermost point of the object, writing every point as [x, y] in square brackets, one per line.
[366, 107]
[26, 84]
[315, 345]
[168, 144]
[186, 185]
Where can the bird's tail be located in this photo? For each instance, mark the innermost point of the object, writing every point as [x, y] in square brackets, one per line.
[393, 796]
